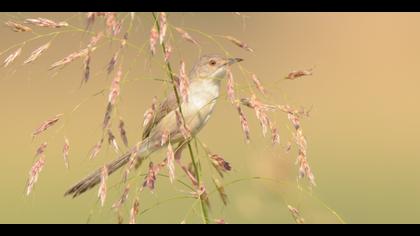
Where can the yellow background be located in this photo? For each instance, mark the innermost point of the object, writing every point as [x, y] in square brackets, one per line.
[362, 133]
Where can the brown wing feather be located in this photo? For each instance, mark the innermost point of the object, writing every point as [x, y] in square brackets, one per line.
[168, 105]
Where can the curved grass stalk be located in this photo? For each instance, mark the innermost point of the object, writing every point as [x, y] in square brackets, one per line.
[159, 203]
[193, 160]
[340, 219]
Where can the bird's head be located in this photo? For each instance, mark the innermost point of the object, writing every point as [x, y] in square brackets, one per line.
[212, 67]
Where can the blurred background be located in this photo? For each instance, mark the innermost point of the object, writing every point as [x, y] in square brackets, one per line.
[362, 133]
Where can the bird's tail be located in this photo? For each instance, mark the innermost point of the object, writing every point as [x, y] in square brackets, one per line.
[95, 178]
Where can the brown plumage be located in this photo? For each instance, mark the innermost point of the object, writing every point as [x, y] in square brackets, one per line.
[168, 105]
[204, 91]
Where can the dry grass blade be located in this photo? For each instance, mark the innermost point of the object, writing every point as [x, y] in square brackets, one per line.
[244, 123]
[300, 140]
[96, 149]
[134, 162]
[154, 35]
[116, 28]
[34, 174]
[275, 137]
[115, 87]
[298, 74]
[230, 86]
[112, 25]
[170, 159]
[168, 52]
[86, 63]
[165, 137]
[178, 157]
[66, 149]
[296, 215]
[220, 164]
[294, 119]
[185, 131]
[123, 132]
[41, 149]
[102, 187]
[43, 22]
[91, 17]
[117, 205]
[258, 84]
[113, 61]
[260, 112]
[150, 179]
[186, 36]
[37, 53]
[17, 27]
[107, 116]
[12, 57]
[86, 67]
[304, 169]
[189, 171]
[112, 141]
[150, 113]
[203, 195]
[247, 102]
[184, 82]
[73, 56]
[95, 39]
[163, 27]
[221, 190]
[134, 211]
[110, 20]
[130, 165]
[239, 43]
[46, 124]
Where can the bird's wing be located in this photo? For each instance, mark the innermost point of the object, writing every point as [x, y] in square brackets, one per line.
[169, 104]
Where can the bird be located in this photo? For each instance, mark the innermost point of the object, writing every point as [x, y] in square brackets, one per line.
[204, 89]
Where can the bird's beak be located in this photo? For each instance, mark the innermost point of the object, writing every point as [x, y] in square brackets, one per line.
[234, 60]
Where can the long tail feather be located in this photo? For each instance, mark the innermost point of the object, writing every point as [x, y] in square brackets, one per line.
[94, 179]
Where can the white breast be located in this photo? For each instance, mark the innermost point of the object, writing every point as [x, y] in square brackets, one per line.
[202, 98]
[203, 92]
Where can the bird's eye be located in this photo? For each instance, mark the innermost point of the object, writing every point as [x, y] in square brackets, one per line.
[212, 62]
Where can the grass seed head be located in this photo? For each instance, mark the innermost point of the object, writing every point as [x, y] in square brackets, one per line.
[298, 74]
[102, 187]
[153, 38]
[134, 211]
[239, 43]
[163, 27]
[12, 57]
[66, 149]
[34, 174]
[186, 36]
[37, 53]
[17, 27]
[170, 158]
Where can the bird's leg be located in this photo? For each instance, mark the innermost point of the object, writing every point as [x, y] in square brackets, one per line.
[178, 155]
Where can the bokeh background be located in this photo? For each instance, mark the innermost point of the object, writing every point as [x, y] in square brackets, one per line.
[362, 132]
